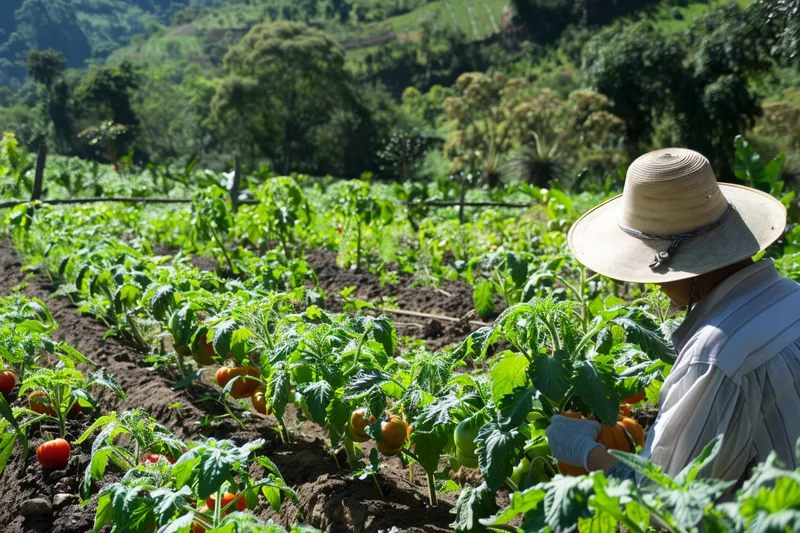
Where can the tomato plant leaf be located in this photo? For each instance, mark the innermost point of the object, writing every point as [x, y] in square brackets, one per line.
[508, 374]
[641, 330]
[517, 268]
[338, 413]
[520, 503]
[514, 408]
[477, 344]
[430, 447]
[317, 396]
[169, 503]
[437, 413]
[178, 525]
[550, 375]
[7, 440]
[594, 383]
[223, 333]
[364, 382]
[499, 451]
[567, 501]
[104, 514]
[385, 333]
[483, 298]
[278, 391]
[474, 504]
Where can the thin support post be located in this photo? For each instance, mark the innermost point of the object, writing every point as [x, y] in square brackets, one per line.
[236, 183]
[38, 177]
[462, 199]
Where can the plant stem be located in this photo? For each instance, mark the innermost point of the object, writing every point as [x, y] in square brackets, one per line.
[375, 479]
[619, 516]
[350, 450]
[432, 497]
[431, 489]
[222, 247]
[358, 245]
[511, 485]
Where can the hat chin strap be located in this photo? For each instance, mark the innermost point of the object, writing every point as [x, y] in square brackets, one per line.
[664, 258]
[691, 297]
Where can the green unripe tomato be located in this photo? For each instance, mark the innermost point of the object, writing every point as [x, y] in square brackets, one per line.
[464, 436]
[470, 461]
[520, 470]
[539, 473]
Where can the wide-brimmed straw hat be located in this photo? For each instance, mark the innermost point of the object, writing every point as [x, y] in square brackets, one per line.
[674, 221]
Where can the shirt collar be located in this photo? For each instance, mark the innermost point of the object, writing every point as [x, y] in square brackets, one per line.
[743, 281]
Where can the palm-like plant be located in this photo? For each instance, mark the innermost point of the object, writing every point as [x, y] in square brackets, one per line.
[539, 162]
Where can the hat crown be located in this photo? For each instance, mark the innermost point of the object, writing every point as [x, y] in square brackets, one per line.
[669, 192]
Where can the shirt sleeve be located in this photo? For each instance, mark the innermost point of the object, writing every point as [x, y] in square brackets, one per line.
[701, 403]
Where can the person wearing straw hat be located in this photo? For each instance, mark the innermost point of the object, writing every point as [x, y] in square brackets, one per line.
[737, 371]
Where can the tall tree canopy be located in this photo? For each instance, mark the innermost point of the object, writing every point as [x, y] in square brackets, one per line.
[283, 80]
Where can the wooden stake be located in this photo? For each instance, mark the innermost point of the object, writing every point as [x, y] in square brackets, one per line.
[38, 177]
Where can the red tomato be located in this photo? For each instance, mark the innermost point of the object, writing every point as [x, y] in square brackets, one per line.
[636, 398]
[39, 402]
[154, 457]
[7, 381]
[53, 454]
[227, 498]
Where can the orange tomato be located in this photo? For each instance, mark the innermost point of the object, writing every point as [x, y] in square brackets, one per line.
[625, 410]
[39, 402]
[358, 425]
[636, 398]
[259, 401]
[613, 438]
[245, 386]
[227, 498]
[393, 436]
[570, 470]
[634, 430]
[154, 457]
[572, 414]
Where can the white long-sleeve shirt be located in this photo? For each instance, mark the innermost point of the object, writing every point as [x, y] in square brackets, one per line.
[737, 373]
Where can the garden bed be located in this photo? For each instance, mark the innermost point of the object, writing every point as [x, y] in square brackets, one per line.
[329, 498]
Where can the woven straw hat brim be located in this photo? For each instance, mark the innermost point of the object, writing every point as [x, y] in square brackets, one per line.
[757, 221]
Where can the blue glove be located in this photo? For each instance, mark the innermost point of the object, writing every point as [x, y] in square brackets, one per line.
[571, 440]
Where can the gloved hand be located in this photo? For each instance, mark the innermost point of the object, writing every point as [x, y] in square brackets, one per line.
[571, 440]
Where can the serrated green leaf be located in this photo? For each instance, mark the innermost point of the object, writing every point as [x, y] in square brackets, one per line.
[385, 333]
[223, 334]
[594, 383]
[473, 505]
[499, 451]
[508, 374]
[550, 376]
[483, 298]
[317, 397]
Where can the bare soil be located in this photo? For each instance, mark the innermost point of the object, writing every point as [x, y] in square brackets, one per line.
[329, 498]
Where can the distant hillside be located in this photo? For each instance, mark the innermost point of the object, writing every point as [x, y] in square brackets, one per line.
[199, 31]
[80, 29]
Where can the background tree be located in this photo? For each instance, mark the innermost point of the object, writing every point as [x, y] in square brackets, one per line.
[283, 79]
[46, 67]
[705, 88]
[403, 152]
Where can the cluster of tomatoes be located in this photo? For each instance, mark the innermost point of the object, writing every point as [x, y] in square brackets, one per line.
[211, 503]
[394, 431]
[54, 453]
[625, 436]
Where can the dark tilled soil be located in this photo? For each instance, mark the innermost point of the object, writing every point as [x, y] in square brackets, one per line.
[452, 299]
[329, 498]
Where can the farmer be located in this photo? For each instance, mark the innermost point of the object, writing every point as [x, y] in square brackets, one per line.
[737, 372]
